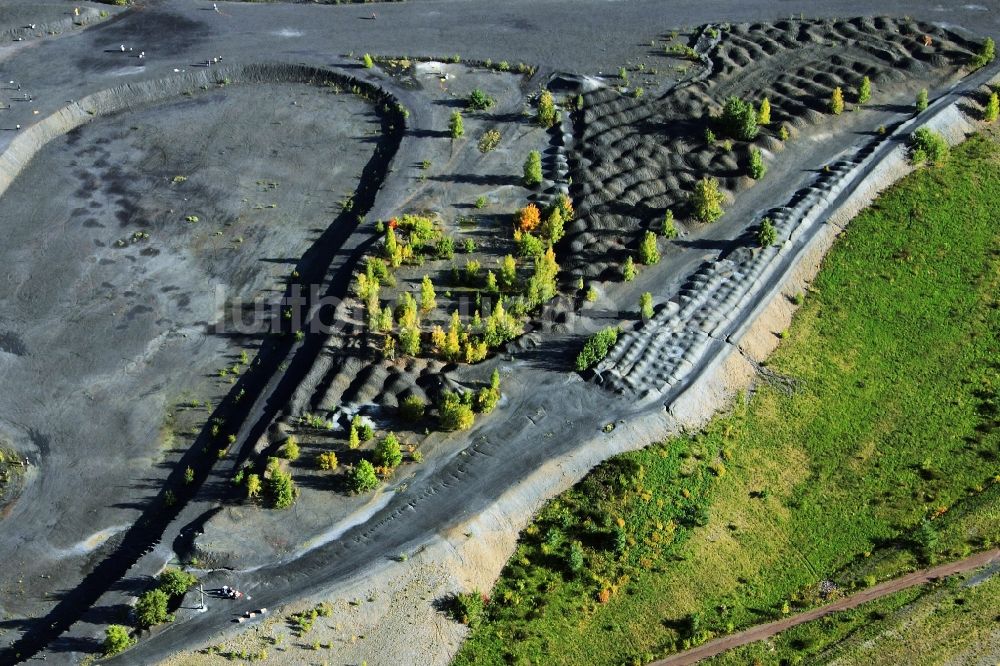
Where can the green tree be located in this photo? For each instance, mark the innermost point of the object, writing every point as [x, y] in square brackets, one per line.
[253, 486]
[547, 115]
[926, 540]
[669, 228]
[921, 102]
[707, 200]
[596, 348]
[455, 125]
[628, 269]
[648, 253]
[290, 449]
[151, 608]
[501, 327]
[767, 234]
[362, 478]
[574, 560]
[992, 109]
[865, 90]
[739, 119]
[508, 272]
[387, 452]
[175, 582]
[533, 169]
[479, 100]
[369, 63]
[353, 438]
[327, 460]
[987, 52]
[409, 341]
[764, 114]
[491, 283]
[412, 408]
[837, 101]
[428, 298]
[117, 639]
[553, 227]
[455, 414]
[280, 486]
[646, 305]
[756, 166]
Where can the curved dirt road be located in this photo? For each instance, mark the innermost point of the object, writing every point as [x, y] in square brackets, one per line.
[762, 631]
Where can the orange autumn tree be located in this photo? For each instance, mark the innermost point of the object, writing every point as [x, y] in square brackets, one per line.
[528, 218]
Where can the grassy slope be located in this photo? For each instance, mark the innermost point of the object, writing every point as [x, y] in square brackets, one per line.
[953, 620]
[893, 420]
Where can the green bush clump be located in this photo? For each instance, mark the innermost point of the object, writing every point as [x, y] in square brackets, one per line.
[927, 145]
[756, 166]
[388, 453]
[921, 102]
[648, 253]
[707, 200]
[739, 119]
[281, 488]
[468, 607]
[767, 234]
[151, 608]
[533, 169]
[987, 52]
[175, 582]
[596, 348]
[455, 413]
[362, 477]
[412, 408]
[117, 639]
[479, 100]
[456, 127]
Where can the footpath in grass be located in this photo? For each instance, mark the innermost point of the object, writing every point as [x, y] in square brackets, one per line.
[883, 458]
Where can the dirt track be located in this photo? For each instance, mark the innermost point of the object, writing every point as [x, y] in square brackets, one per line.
[760, 632]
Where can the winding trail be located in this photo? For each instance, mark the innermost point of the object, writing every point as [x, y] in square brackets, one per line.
[762, 631]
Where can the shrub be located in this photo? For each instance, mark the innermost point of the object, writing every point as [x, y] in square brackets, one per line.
[175, 582]
[783, 133]
[369, 63]
[767, 234]
[992, 109]
[479, 100]
[669, 228]
[481, 202]
[290, 449]
[253, 486]
[117, 639]
[709, 136]
[362, 477]
[428, 298]
[646, 305]
[756, 166]
[739, 119]
[528, 245]
[467, 608]
[628, 269]
[927, 145]
[837, 101]
[865, 90]
[528, 218]
[925, 538]
[412, 408]
[648, 253]
[547, 115]
[764, 114]
[921, 101]
[327, 460]
[501, 327]
[409, 340]
[445, 248]
[489, 141]
[554, 228]
[508, 272]
[353, 438]
[455, 125]
[987, 52]
[596, 348]
[455, 414]
[151, 608]
[707, 200]
[387, 452]
[574, 559]
[533, 169]
[281, 488]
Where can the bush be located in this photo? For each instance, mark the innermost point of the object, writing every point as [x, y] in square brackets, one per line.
[409, 340]
[533, 169]
[574, 560]
[927, 145]
[327, 460]
[669, 228]
[764, 114]
[529, 245]
[428, 298]
[648, 253]
[783, 133]
[489, 141]
[367, 59]
[707, 200]
[290, 449]
[739, 119]
[117, 639]
[254, 486]
[455, 414]
[362, 477]
[445, 247]
[175, 582]
[455, 126]
[412, 408]
[987, 52]
[992, 109]
[151, 608]
[865, 90]
[767, 234]
[628, 269]
[388, 453]
[280, 486]
[709, 136]
[596, 348]
[547, 115]
[554, 226]
[479, 100]
[921, 101]
[837, 101]
[646, 305]
[756, 166]
[467, 608]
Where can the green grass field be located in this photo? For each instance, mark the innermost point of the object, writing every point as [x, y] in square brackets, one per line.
[892, 424]
[955, 620]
